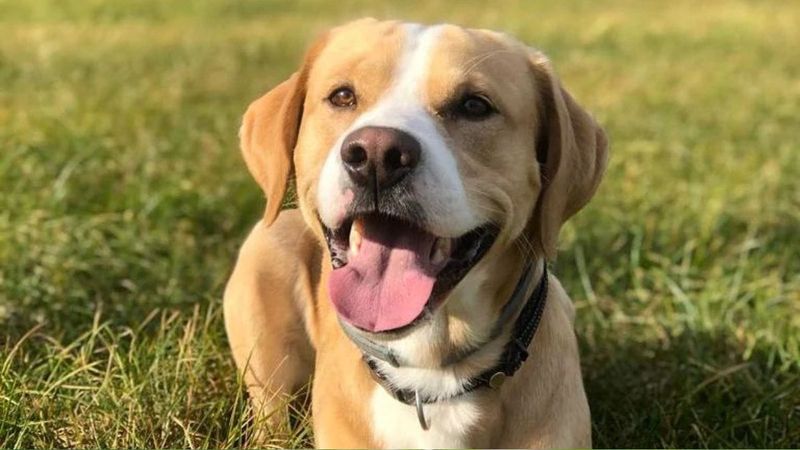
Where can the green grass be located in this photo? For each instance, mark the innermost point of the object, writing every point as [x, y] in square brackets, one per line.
[123, 200]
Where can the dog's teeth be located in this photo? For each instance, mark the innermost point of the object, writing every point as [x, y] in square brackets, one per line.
[355, 237]
[441, 250]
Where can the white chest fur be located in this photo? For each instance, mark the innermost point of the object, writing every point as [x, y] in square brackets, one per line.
[395, 424]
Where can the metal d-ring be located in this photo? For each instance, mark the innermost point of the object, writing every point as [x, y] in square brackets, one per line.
[420, 412]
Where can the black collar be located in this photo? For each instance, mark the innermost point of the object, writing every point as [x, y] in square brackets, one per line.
[514, 354]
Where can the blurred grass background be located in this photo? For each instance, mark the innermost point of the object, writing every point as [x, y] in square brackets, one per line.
[123, 201]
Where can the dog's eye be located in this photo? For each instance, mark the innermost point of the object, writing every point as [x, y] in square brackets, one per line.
[342, 97]
[475, 107]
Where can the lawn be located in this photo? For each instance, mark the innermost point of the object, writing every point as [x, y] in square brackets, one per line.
[123, 200]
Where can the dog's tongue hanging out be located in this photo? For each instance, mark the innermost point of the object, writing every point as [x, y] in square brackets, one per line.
[389, 276]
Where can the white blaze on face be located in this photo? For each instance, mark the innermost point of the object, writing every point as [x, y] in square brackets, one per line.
[435, 183]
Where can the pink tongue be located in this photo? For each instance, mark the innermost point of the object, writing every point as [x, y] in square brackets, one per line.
[387, 284]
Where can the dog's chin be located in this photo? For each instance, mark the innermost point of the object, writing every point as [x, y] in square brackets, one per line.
[390, 274]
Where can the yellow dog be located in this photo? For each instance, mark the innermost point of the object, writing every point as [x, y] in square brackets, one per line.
[434, 167]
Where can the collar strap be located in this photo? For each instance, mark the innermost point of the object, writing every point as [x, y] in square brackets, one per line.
[514, 354]
[370, 348]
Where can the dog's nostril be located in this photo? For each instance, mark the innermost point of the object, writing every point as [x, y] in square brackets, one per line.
[408, 159]
[354, 155]
[393, 159]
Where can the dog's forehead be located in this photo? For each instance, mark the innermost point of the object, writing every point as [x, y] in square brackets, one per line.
[364, 44]
[376, 54]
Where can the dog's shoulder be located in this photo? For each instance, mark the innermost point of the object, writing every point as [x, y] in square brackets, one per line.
[282, 252]
[286, 242]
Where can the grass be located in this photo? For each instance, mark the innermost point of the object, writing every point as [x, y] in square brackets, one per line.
[123, 200]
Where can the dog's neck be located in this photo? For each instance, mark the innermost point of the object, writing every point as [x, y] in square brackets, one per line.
[460, 340]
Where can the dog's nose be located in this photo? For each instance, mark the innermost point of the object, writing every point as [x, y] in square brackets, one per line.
[382, 154]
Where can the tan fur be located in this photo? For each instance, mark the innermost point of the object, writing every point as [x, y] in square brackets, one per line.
[276, 302]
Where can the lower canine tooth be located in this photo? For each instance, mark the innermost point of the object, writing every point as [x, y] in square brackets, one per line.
[355, 237]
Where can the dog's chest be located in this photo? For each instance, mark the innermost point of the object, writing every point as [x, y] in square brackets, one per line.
[395, 424]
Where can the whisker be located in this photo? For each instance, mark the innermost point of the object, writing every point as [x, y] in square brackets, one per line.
[472, 63]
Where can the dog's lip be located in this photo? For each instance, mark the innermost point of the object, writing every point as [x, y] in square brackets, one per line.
[468, 250]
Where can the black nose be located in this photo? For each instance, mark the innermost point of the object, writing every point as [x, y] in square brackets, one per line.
[379, 155]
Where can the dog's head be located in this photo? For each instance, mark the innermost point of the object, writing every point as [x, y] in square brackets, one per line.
[418, 150]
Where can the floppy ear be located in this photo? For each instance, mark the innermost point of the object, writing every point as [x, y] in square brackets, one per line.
[572, 150]
[269, 133]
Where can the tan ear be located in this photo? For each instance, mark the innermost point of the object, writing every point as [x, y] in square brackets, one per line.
[269, 133]
[572, 150]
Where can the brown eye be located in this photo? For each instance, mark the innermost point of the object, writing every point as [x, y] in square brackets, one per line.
[342, 98]
[475, 107]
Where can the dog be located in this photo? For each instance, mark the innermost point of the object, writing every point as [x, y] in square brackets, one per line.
[433, 169]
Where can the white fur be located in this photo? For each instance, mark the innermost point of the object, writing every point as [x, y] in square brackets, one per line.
[436, 182]
[396, 425]
[440, 191]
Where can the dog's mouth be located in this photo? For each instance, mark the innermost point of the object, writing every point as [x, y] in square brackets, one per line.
[389, 274]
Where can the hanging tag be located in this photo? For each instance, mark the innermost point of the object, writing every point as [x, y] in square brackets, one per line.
[420, 412]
